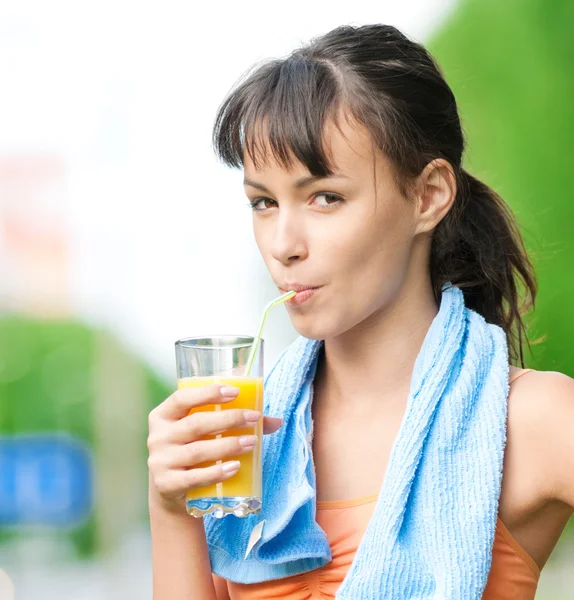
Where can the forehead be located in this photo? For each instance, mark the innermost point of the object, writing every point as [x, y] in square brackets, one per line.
[347, 145]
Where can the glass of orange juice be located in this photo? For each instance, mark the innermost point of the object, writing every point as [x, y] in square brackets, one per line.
[223, 359]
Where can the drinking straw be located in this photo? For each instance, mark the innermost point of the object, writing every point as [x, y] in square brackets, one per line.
[257, 339]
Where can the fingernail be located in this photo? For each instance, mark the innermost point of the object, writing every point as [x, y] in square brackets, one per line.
[229, 467]
[251, 416]
[229, 391]
[247, 440]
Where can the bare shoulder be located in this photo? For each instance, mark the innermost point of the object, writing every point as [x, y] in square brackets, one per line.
[541, 424]
[537, 494]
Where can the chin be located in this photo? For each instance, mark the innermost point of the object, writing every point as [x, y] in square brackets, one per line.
[312, 328]
[308, 329]
[310, 335]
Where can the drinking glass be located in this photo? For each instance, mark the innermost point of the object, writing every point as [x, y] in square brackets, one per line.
[223, 359]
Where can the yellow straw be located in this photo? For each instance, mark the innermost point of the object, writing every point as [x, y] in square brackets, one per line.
[257, 339]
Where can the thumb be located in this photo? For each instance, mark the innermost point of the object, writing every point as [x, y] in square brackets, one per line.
[271, 424]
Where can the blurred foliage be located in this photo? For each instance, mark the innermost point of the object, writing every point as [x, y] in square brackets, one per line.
[510, 66]
[46, 385]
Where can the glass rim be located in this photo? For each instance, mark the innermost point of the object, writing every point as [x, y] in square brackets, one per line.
[187, 341]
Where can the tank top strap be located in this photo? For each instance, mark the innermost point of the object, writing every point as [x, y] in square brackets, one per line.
[520, 374]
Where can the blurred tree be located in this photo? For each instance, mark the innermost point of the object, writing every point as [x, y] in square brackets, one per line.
[63, 377]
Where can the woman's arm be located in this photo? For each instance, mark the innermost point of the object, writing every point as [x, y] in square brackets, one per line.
[559, 421]
[181, 568]
[221, 588]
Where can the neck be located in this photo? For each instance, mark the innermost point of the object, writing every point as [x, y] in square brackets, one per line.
[371, 365]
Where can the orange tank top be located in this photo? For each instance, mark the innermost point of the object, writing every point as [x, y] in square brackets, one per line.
[513, 575]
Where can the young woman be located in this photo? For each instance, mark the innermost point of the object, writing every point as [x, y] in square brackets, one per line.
[352, 153]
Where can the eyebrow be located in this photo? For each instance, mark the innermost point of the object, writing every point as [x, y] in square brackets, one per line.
[300, 183]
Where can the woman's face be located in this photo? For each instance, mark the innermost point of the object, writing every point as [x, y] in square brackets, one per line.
[338, 234]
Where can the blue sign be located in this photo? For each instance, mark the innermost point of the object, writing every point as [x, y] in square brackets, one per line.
[45, 480]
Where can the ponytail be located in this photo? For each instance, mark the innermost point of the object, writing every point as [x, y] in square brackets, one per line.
[478, 247]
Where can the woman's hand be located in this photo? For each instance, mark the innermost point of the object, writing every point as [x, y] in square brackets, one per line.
[176, 448]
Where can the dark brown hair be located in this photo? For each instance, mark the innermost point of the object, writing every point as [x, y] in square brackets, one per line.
[392, 86]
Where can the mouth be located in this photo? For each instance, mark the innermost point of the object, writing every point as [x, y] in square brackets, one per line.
[303, 294]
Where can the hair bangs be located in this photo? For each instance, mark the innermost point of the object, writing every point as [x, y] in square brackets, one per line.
[280, 112]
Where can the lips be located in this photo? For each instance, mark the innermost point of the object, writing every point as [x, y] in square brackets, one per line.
[303, 294]
[298, 287]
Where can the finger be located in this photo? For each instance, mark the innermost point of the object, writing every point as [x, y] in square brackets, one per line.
[183, 400]
[200, 424]
[198, 453]
[272, 424]
[174, 483]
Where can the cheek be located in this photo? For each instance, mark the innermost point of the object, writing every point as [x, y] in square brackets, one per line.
[373, 247]
[261, 236]
[372, 262]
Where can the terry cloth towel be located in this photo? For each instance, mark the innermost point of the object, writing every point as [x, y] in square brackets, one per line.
[432, 530]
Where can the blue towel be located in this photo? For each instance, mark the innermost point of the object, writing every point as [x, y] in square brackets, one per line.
[432, 530]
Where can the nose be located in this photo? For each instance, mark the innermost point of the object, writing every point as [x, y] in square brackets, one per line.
[289, 244]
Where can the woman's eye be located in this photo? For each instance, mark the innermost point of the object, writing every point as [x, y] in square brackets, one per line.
[256, 204]
[332, 199]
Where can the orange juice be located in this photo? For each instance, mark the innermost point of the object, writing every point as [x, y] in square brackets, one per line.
[247, 481]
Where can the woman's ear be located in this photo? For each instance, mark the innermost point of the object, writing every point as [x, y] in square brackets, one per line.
[436, 187]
